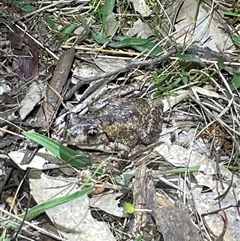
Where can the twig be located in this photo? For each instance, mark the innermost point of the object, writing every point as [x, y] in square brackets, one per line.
[131, 65]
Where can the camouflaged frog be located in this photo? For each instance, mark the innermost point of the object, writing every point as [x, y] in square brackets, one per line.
[117, 123]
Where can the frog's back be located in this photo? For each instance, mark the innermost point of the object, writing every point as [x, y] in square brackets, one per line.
[127, 110]
[123, 120]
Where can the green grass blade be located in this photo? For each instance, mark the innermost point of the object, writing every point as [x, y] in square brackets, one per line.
[228, 13]
[235, 83]
[236, 39]
[51, 24]
[99, 37]
[128, 42]
[24, 7]
[107, 10]
[182, 170]
[64, 153]
[40, 208]
[150, 48]
[139, 44]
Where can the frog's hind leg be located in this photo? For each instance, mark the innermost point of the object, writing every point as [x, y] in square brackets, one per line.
[153, 125]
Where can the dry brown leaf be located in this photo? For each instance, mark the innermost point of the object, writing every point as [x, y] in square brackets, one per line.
[206, 28]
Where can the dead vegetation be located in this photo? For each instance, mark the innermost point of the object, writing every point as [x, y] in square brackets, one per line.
[57, 58]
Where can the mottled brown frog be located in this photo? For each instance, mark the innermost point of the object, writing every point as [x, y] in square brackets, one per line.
[116, 123]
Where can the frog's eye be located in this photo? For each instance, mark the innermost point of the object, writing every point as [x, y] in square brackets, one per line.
[92, 133]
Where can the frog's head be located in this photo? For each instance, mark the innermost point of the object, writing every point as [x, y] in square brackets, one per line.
[86, 132]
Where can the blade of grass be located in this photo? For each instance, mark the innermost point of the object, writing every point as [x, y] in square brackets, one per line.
[51, 24]
[121, 42]
[64, 153]
[228, 13]
[87, 30]
[183, 170]
[27, 8]
[40, 208]
[236, 39]
[235, 83]
[139, 44]
[107, 10]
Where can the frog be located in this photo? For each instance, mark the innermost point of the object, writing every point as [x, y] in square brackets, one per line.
[117, 123]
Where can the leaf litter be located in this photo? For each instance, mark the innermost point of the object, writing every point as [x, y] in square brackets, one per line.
[201, 121]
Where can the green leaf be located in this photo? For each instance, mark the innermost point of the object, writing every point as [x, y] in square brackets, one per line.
[232, 168]
[3, 237]
[40, 208]
[50, 22]
[126, 177]
[235, 84]
[128, 42]
[99, 37]
[160, 79]
[107, 10]
[66, 154]
[224, 194]
[185, 79]
[150, 48]
[165, 86]
[123, 42]
[220, 63]
[128, 208]
[227, 13]
[188, 57]
[139, 44]
[182, 170]
[87, 29]
[139, 239]
[190, 60]
[236, 39]
[27, 8]
[69, 28]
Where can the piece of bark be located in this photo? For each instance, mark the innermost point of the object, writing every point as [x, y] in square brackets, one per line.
[175, 224]
[51, 103]
[155, 222]
[145, 202]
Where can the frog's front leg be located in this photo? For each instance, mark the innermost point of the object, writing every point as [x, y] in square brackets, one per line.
[119, 148]
[153, 125]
